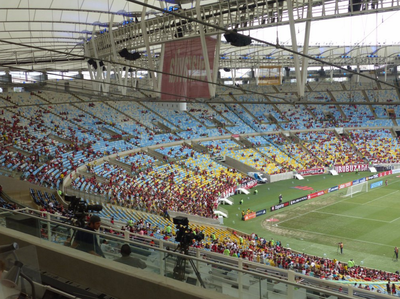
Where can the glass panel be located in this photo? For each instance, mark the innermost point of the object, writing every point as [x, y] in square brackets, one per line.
[222, 274]
[22, 268]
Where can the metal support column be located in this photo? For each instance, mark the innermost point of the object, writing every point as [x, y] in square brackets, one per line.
[118, 69]
[49, 232]
[216, 66]
[216, 72]
[161, 257]
[160, 68]
[147, 44]
[304, 66]
[233, 75]
[300, 89]
[358, 65]
[124, 80]
[135, 80]
[97, 73]
[211, 87]
[91, 73]
[385, 64]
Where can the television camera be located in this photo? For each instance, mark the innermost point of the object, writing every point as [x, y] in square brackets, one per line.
[185, 237]
[184, 234]
[79, 209]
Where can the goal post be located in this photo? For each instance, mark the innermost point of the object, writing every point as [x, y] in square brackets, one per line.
[352, 190]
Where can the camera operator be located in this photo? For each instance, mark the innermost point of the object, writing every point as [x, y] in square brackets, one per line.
[129, 260]
[87, 240]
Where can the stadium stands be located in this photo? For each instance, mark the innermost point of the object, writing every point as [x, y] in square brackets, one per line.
[151, 164]
[48, 142]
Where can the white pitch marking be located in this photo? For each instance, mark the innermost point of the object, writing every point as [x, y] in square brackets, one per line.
[355, 217]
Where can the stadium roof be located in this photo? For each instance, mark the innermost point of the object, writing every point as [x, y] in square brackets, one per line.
[50, 35]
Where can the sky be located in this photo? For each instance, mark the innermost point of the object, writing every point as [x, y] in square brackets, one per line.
[368, 29]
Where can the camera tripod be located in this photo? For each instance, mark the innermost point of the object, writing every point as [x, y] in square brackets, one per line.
[180, 266]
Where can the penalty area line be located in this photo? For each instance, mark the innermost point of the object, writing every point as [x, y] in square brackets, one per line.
[336, 202]
[340, 237]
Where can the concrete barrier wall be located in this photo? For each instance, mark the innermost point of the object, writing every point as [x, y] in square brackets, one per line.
[96, 273]
[244, 168]
[280, 177]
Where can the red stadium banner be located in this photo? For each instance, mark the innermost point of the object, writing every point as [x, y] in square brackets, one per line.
[385, 173]
[316, 194]
[312, 171]
[249, 216]
[351, 168]
[345, 185]
[249, 184]
[185, 59]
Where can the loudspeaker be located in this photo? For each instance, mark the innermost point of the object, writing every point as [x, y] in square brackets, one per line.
[23, 224]
[92, 63]
[236, 39]
[129, 56]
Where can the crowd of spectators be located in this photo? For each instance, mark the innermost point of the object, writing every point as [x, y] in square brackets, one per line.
[137, 161]
[48, 203]
[268, 252]
[28, 131]
[329, 148]
[177, 183]
[168, 187]
[26, 147]
[378, 146]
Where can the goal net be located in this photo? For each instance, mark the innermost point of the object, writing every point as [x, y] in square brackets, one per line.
[352, 190]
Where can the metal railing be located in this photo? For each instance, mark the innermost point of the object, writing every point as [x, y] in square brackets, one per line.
[94, 197]
[235, 277]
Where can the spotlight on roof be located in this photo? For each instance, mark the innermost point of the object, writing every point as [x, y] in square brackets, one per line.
[237, 39]
[124, 53]
[93, 63]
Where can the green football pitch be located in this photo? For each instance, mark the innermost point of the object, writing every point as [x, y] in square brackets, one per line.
[368, 223]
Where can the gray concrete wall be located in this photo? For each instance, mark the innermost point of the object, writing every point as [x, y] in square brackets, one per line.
[244, 168]
[280, 177]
